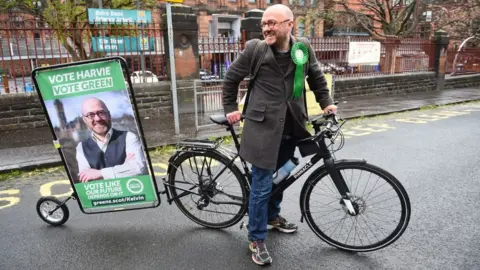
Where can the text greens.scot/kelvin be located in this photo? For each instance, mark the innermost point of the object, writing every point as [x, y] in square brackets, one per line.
[80, 81]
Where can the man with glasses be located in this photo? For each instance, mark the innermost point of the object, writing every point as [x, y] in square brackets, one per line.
[108, 153]
[274, 118]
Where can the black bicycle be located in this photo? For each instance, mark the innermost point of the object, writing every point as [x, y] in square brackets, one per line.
[347, 213]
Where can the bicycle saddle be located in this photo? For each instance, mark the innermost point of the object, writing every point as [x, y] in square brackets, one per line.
[219, 119]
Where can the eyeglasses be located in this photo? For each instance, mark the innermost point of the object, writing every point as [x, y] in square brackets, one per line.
[101, 114]
[271, 23]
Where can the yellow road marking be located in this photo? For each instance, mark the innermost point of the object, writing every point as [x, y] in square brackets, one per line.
[162, 166]
[46, 189]
[382, 125]
[425, 118]
[452, 113]
[355, 133]
[11, 200]
[434, 117]
[411, 120]
[368, 129]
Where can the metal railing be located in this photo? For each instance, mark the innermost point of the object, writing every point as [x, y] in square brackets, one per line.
[209, 100]
[396, 56]
[30, 44]
[467, 61]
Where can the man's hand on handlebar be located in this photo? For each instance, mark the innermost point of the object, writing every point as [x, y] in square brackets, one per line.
[234, 117]
[330, 109]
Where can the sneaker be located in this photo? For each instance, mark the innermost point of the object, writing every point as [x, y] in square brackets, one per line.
[260, 253]
[281, 224]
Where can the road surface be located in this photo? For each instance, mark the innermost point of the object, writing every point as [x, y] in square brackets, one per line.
[434, 154]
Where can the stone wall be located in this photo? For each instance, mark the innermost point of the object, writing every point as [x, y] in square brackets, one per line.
[24, 110]
[386, 84]
[462, 81]
[153, 99]
[21, 111]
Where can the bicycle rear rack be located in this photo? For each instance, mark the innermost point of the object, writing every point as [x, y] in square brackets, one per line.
[198, 143]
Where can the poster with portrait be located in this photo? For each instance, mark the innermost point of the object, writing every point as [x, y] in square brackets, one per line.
[90, 112]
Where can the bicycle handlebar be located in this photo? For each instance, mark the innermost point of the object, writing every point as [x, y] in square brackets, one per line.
[330, 119]
[327, 120]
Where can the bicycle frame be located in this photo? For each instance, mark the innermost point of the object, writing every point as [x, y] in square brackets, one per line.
[322, 153]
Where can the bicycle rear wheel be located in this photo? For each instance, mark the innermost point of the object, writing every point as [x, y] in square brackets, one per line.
[204, 185]
[379, 199]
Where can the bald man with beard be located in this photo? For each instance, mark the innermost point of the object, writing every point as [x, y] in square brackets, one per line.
[108, 153]
[273, 121]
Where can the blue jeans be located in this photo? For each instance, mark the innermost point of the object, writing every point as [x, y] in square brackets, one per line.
[262, 207]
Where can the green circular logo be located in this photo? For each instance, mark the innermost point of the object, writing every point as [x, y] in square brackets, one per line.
[135, 186]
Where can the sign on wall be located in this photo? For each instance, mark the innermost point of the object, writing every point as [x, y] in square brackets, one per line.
[364, 53]
[123, 44]
[98, 15]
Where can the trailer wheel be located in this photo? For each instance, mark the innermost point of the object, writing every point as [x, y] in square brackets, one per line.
[52, 210]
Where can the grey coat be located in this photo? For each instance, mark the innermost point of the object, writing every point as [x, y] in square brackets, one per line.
[270, 97]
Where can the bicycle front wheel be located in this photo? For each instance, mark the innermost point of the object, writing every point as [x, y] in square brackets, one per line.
[208, 189]
[382, 204]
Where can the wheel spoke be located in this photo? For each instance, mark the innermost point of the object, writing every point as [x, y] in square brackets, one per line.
[372, 227]
[218, 200]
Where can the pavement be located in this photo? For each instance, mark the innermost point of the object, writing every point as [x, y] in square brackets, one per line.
[416, 147]
[22, 150]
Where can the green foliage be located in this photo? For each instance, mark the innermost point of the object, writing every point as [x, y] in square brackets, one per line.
[21, 174]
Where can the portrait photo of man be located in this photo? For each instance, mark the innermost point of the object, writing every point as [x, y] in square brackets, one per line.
[107, 153]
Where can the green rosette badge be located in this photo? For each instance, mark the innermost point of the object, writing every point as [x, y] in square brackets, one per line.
[300, 56]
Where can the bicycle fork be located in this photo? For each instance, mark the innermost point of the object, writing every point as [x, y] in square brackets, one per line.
[339, 184]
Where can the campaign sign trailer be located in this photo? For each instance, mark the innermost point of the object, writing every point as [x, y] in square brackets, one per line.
[91, 110]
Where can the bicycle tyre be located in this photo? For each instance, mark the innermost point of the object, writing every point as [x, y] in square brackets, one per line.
[221, 159]
[321, 172]
[63, 210]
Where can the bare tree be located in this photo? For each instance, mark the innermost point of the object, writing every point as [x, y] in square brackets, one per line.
[381, 18]
[460, 19]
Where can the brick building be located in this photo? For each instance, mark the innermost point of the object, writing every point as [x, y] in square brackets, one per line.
[221, 18]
